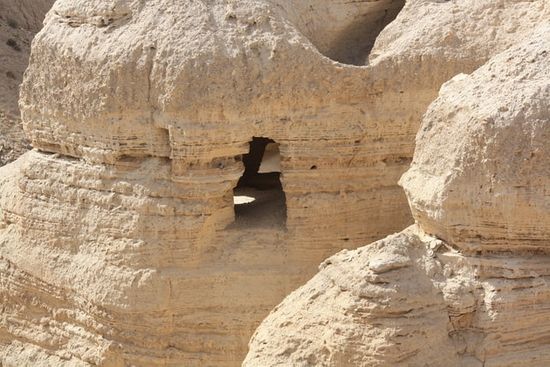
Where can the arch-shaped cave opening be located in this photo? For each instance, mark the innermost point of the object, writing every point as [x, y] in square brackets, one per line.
[259, 199]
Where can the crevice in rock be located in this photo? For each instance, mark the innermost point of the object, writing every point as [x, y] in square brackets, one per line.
[346, 31]
[354, 43]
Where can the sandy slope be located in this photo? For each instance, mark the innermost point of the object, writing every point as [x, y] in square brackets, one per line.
[19, 22]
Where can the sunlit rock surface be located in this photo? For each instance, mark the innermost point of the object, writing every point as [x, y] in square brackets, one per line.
[468, 284]
[119, 238]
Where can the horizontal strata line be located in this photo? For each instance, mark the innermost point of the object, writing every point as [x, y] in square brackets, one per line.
[69, 157]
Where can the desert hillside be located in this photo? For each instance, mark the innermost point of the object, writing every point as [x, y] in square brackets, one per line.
[186, 166]
[19, 22]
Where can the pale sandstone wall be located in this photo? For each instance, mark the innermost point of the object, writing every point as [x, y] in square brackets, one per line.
[19, 22]
[468, 285]
[509, 203]
[119, 226]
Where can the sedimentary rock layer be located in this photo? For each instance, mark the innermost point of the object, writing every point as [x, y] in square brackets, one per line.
[468, 284]
[119, 235]
[412, 300]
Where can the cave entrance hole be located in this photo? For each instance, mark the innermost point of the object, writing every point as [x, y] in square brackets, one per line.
[258, 198]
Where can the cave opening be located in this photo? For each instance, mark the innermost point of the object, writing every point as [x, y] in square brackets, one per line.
[258, 198]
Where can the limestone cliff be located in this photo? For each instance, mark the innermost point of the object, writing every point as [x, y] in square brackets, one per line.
[19, 22]
[467, 285]
[127, 236]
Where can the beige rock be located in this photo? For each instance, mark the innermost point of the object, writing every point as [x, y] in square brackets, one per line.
[481, 172]
[118, 234]
[480, 296]
[355, 313]
[130, 222]
[19, 22]
[465, 32]
[443, 309]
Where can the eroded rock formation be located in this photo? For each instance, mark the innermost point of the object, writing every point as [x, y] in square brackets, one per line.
[468, 284]
[118, 234]
[19, 22]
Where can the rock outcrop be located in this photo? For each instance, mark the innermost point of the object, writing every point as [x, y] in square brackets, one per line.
[467, 285]
[480, 175]
[119, 238]
[19, 22]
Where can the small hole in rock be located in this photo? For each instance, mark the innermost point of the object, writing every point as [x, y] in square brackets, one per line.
[313, 167]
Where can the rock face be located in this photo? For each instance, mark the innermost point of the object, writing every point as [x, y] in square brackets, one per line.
[481, 169]
[468, 284]
[119, 240]
[19, 22]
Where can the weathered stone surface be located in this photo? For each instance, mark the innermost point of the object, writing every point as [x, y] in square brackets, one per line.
[118, 233]
[350, 314]
[480, 177]
[19, 22]
[129, 223]
[472, 292]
